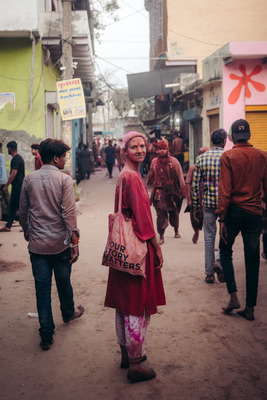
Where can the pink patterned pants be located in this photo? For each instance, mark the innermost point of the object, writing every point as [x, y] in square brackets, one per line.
[131, 333]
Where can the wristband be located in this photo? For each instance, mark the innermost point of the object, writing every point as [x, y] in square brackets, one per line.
[74, 245]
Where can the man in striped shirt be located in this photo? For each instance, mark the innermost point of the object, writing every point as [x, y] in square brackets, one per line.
[207, 172]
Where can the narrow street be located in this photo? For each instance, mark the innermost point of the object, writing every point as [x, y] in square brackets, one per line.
[197, 351]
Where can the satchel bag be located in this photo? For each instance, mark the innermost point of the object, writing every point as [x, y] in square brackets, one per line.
[124, 251]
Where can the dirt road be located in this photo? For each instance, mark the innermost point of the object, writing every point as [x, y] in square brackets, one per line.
[196, 350]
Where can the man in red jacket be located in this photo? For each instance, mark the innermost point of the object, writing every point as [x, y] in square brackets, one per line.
[243, 174]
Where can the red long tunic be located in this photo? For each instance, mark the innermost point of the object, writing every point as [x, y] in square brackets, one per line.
[127, 293]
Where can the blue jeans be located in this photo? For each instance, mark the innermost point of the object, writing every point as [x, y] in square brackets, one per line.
[238, 220]
[209, 228]
[42, 268]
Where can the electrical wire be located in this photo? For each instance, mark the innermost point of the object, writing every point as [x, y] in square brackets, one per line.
[103, 79]
[195, 40]
[114, 65]
[129, 5]
[127, 16]
[125, 41]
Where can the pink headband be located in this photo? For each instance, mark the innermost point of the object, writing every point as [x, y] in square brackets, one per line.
[130, 136]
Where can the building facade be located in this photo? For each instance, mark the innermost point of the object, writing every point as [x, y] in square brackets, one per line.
[240, 89]
[32, 61]
[234, 86]
[184, 34]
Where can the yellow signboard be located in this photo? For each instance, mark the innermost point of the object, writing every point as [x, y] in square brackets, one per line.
[71, 99]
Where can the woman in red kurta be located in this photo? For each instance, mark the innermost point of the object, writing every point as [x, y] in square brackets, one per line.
[135, 298]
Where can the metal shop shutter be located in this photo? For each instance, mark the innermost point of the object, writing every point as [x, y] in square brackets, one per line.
[257, 119]
[214, 122]
[214, 119]
[50, 122]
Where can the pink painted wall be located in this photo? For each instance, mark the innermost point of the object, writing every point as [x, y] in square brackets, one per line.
[256, 49]
[244, 83]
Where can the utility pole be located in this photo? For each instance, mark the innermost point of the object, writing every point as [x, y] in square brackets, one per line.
[67, 74]
[90, 126]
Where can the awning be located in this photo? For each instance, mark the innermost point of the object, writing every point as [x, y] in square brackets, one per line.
[157, 121]
[149, 84]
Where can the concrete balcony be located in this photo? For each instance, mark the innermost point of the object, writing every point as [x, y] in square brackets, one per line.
[50, 24]
[18, 18]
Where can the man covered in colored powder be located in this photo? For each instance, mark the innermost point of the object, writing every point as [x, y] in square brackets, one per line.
[168, 191]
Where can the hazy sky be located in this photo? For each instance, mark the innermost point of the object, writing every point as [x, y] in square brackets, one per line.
[124, 46]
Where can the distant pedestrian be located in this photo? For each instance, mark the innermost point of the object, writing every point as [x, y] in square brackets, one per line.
[17, 173]
[35, 152]
[151, 151]
[178, 148]
[96, 153]
[48, 219]
[110, 157]
[206, 175]
[118, 156]
[4, 196]
[243, 176]
[168, 191]
[79, 148]
[86, 162]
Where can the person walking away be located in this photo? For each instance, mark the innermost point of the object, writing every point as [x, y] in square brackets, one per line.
[35, 152]
[206, 174]
[118, 156]
[17, 173]
[178, 148]
[50, 227]
[4, 196]
[78, 150]
[110, 157]
[186, 157]
[243, 177]
[152, 151]
[196, 224]
[96, 153]
[86, 163]
[168, 191]
[135, 298]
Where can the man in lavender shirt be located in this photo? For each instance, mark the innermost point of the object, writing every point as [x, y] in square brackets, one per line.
[48, 218]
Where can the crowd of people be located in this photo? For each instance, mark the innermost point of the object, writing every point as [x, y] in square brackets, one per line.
[107, 152]
[225, 186]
